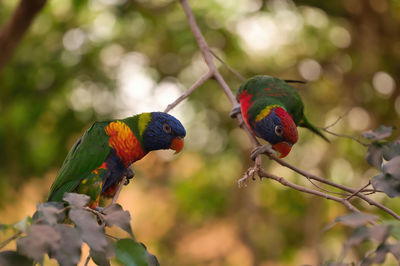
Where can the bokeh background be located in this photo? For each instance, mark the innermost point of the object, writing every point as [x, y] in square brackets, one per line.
[87, 60]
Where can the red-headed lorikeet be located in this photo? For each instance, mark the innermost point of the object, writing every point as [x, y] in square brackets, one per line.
[272, 109]
[97, 162]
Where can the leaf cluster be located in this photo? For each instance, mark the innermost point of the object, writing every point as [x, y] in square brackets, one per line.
[58, 229]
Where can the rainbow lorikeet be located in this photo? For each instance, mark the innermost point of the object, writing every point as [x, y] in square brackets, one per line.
[272, 109]
[99, 160]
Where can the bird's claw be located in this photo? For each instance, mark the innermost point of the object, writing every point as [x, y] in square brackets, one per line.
[235, 110]
[99, 209]
[129, 174]
[267, 148]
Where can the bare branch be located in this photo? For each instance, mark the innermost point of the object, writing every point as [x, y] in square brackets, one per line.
[11, 34]
[233, 71]
[189, 91]
[287, 183]
[206, 52]
[345, 136]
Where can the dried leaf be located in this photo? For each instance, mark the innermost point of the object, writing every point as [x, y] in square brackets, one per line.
[39, 241]
[380, 133]
[395, 250]
[374, 155]
[356, 219]
[115, 215]
[50, 213]
[389, 180]
[12, 258]
[68, 253]
[24, 224]
[92, 233]
[103, 258]
[77, 200]
[391, 150]
[131, 253]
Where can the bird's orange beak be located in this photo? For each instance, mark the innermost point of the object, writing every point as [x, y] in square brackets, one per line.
[283, 148]
[177, 144]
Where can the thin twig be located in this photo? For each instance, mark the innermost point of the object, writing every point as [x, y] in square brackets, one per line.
[358, 191]
[345, 136]
[5, 242]
[287, 183]
[189, 91]
[208, 59]
[233, 71]
[99, 215]
[337, 120]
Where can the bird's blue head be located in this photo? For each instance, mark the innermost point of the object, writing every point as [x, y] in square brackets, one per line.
[163, 132]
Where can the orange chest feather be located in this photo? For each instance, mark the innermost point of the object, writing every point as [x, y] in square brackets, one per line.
[125, 143]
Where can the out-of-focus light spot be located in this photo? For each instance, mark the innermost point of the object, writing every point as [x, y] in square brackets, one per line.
[215, 143]
[340, 37]
[60, 8]
[102, 26]
[264, 33]
[166, 92]
[111, 55]
[197, 136]
[358, 119]
[74, 39]
[310, 69]
[397, 105]
[112, 2]
[345, 63]
[341, 171]
[70, 59]
[383, 83]
[103, 101]
[80, 98]
[315, 17]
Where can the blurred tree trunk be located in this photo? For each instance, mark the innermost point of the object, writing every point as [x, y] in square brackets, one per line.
[12, 32]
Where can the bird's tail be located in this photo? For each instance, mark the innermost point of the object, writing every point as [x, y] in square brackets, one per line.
[305, 123]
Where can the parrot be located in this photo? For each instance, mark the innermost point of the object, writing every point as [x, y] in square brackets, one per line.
[272, 109]
[99, 160]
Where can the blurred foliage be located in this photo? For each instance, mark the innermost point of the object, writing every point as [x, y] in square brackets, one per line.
[87, 60]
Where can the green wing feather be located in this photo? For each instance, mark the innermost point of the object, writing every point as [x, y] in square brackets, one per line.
[88, 153]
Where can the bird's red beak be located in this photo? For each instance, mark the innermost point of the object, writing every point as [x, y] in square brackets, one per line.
[177, 144]
[283, 148]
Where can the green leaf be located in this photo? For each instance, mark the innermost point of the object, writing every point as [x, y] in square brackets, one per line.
[115, 215]
[77, 200]
[12, 258]
[389, 180]
[381, 132]
[131, 253]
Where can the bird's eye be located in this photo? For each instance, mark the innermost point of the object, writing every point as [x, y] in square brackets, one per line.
[167, 128]
[278, 130]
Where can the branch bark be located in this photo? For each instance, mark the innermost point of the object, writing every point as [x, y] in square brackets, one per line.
[13, 31]
[213, 72]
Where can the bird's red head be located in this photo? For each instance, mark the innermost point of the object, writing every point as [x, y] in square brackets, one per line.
[288, 132]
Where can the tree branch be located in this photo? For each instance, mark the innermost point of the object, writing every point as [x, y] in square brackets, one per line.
[213, 72]
[11, 34]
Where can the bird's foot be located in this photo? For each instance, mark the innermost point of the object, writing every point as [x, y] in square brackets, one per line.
[99, 209]
[129, 174]
[267, 148]
[235, 110]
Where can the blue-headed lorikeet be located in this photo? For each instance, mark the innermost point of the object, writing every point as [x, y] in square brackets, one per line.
[272, 109]
[97, 162]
